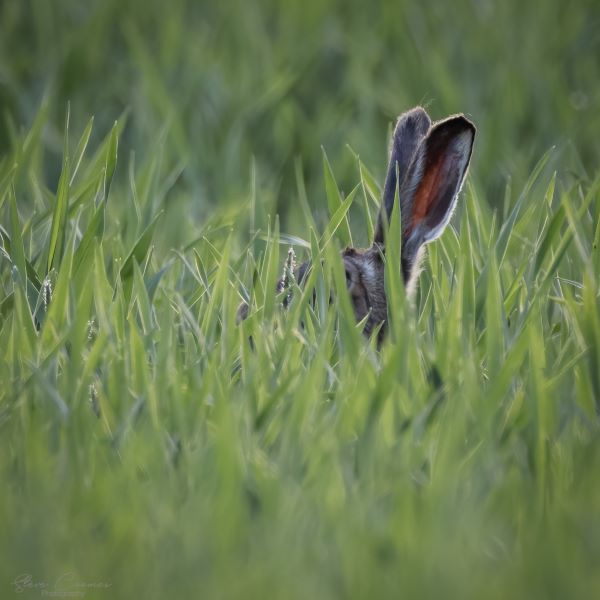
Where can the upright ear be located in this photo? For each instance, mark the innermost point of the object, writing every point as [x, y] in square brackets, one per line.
[429, 191]
[410, 130]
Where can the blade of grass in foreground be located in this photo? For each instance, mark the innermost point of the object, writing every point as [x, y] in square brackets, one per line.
[509, 225]
[334, 201]
[394, 285]
[59, 216]
[17, 249]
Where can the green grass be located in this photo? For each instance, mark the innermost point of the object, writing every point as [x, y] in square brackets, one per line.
[146, 443]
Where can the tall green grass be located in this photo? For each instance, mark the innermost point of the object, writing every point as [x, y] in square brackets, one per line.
[149, 445]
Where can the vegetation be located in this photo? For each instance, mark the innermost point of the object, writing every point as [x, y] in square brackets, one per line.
[150, 447]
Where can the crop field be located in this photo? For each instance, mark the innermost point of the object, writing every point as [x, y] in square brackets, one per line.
[157, 161]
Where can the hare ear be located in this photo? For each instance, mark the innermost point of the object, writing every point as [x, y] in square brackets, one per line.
[410, 129]
[432, 183]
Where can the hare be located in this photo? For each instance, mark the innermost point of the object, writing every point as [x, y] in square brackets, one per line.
[428, 164]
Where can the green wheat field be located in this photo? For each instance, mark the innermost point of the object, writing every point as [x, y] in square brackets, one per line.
[157, 160]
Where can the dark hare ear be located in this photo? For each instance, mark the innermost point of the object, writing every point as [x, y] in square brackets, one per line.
[410, 129]
[429, 191]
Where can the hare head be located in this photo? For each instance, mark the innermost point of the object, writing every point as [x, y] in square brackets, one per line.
[427, 167]
[428, 164]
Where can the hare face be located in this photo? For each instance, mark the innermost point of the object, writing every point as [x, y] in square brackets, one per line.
[428, 165]
[365, 284]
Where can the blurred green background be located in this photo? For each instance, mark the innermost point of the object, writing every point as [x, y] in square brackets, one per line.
[311, 465]
[230, 87]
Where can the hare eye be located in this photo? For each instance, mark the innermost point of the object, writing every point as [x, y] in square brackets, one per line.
[348, 278]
